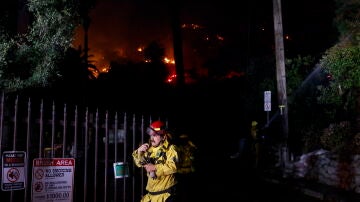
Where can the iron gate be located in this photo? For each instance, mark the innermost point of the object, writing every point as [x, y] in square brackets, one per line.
[94, 138]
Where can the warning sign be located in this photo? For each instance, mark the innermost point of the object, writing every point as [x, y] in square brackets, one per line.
[13, 170]
[53, 179]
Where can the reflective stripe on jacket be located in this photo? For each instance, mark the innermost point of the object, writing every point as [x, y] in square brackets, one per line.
[165, 158]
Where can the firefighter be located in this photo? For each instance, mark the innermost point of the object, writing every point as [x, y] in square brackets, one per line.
[254, 131]
[186, 167]
[159, 158]
[186, 151]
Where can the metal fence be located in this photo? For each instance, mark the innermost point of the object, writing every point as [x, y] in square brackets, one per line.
[94, 138]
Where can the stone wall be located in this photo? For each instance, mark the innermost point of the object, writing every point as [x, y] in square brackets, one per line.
[327, 168]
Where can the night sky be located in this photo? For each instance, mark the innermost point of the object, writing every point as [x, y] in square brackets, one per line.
[119, 27]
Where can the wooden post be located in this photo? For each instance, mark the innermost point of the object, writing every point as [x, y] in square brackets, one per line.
[280, 73]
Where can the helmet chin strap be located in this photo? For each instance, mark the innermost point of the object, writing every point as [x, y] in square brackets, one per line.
[161, 141]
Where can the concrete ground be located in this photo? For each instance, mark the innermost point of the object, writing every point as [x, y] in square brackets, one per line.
[230, 180]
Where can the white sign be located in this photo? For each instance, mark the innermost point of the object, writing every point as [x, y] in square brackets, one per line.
[53, 179]
[13, 170]
[267, 107]
[267, 101]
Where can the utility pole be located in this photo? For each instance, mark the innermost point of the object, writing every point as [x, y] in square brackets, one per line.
[281, 79]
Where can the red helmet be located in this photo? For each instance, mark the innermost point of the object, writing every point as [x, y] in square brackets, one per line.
[157, 126]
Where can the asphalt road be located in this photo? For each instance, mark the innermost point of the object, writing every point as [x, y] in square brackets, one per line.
[231, 181]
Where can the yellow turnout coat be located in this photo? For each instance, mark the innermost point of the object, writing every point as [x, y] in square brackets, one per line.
[165, 159]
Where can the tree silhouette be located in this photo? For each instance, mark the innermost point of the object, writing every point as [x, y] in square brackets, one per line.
[155, 71]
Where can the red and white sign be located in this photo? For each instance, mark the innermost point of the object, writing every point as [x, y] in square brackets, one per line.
[13, 170]
[53, 179]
